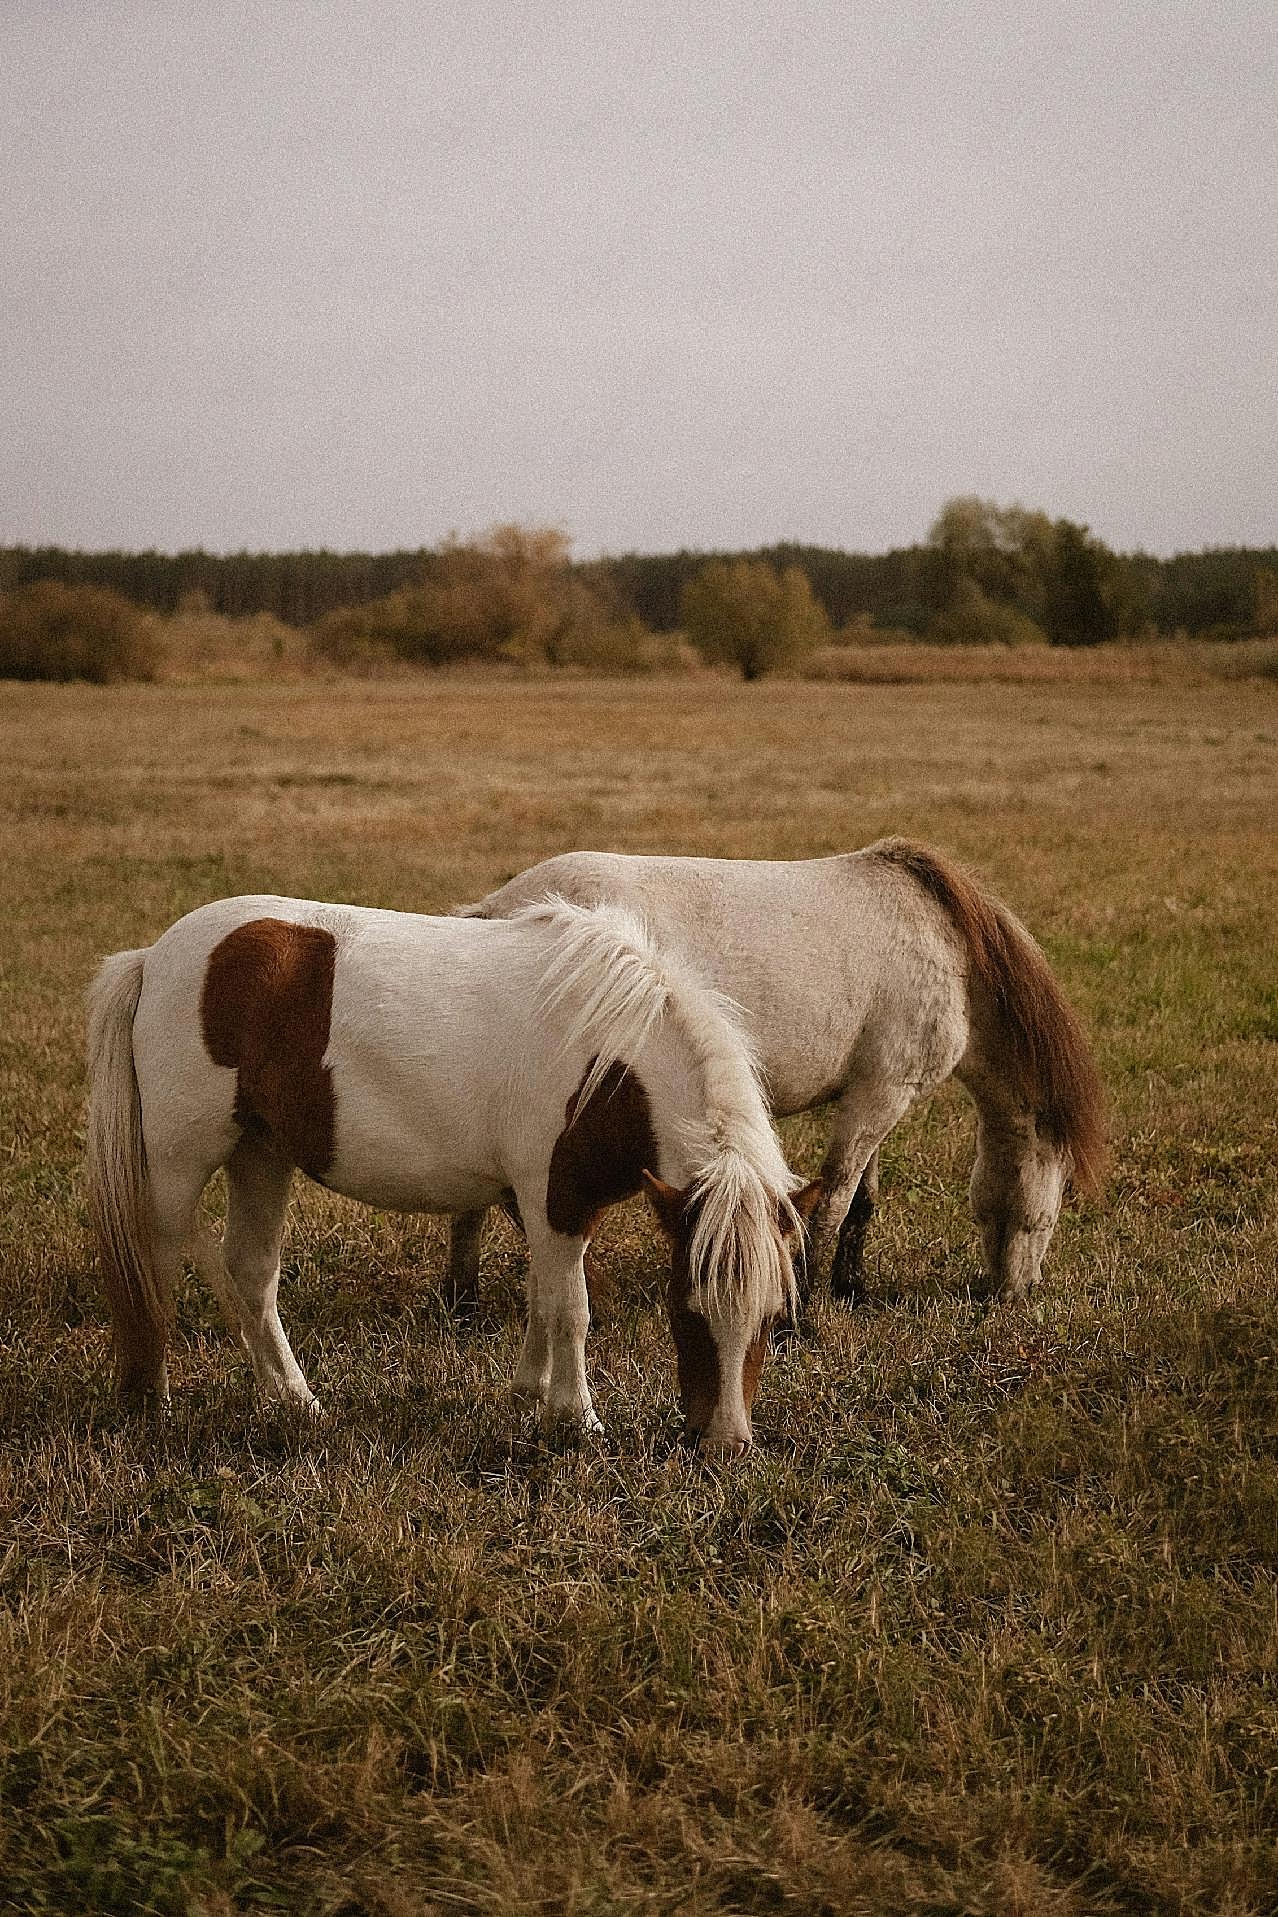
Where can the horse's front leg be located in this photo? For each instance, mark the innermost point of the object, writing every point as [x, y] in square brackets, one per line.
[1016, 1189]
[552, 1367]
[847, 1267]
[532, 1374]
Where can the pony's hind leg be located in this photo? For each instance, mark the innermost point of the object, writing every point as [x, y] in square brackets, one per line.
[257, 1197]
[461, 1286]
[142, 1334]
[142, 1325]
[1017, 1185]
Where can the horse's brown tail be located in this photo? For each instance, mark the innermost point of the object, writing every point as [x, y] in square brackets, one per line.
[118, 1187]
[1046, 1051]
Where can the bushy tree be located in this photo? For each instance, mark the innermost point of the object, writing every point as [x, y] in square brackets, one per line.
[1003, 550]
[52, 631]
[743, 612]
[1265, 596]
[1053, 574]
[1081, 595]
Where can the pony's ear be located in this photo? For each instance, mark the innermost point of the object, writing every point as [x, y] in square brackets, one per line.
[667, 1201]
[806, 1201]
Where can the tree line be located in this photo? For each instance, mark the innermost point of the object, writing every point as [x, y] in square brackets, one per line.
[1052, 573]
[987, 574]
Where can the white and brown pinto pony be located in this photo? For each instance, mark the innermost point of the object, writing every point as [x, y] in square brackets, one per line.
[865, 980]
[558, 1060]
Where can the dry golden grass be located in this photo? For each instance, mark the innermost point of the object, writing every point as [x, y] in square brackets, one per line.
[200, 647]
[989, 1622]
[1153, 662]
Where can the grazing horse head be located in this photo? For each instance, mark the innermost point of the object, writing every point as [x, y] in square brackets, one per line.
[687, 1106]
[721, 1331]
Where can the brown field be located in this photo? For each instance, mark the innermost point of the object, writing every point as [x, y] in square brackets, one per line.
[989, 1619]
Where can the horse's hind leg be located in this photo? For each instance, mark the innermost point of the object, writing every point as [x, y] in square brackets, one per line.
[175, 1189]
[257, 1197]
[1017, 1185]
[461, 1286]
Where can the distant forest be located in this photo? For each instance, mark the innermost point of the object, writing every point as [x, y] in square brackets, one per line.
[1212, 592]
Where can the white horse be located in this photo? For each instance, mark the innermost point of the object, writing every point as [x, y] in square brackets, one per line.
[559, 1061]
[866, 980]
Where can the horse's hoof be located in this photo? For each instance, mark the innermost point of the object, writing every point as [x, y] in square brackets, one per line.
[147, 1407]
[463, 1309]
[294, 1411]
[572, 1424]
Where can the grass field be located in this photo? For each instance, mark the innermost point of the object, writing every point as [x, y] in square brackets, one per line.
[988, 1621]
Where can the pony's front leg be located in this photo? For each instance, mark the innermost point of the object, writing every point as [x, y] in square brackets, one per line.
[850, 1175]
[558, 1318]
[532, 1374]
[1016, 1190]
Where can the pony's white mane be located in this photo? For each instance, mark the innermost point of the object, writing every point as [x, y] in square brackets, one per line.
[613, 984]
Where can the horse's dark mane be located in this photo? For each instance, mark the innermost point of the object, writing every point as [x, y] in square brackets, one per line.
[1046, 1046]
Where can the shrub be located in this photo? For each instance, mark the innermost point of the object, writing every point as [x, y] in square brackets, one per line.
[510, 596]
[52, 631]
[202, 644]
[745, 613]
[975, 620]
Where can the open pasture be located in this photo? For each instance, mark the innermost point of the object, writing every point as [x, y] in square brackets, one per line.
[988, 1620]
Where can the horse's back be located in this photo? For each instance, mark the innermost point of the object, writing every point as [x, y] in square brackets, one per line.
[827, 957]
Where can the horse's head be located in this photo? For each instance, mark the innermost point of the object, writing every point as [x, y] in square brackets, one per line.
[720, 1340]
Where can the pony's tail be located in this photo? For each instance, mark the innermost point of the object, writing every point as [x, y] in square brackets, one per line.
[137, 1292]
[1045, 1051]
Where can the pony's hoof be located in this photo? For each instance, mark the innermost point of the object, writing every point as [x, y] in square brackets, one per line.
[147, 1407]
[723, 1450]
[572, 1424]
[285, 1407]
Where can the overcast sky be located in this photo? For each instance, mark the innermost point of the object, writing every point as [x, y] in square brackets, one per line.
[275, 275]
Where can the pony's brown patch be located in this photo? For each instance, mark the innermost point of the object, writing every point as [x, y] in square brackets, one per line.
[601, 1155]
[265, 1013]
[1046, 1046]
